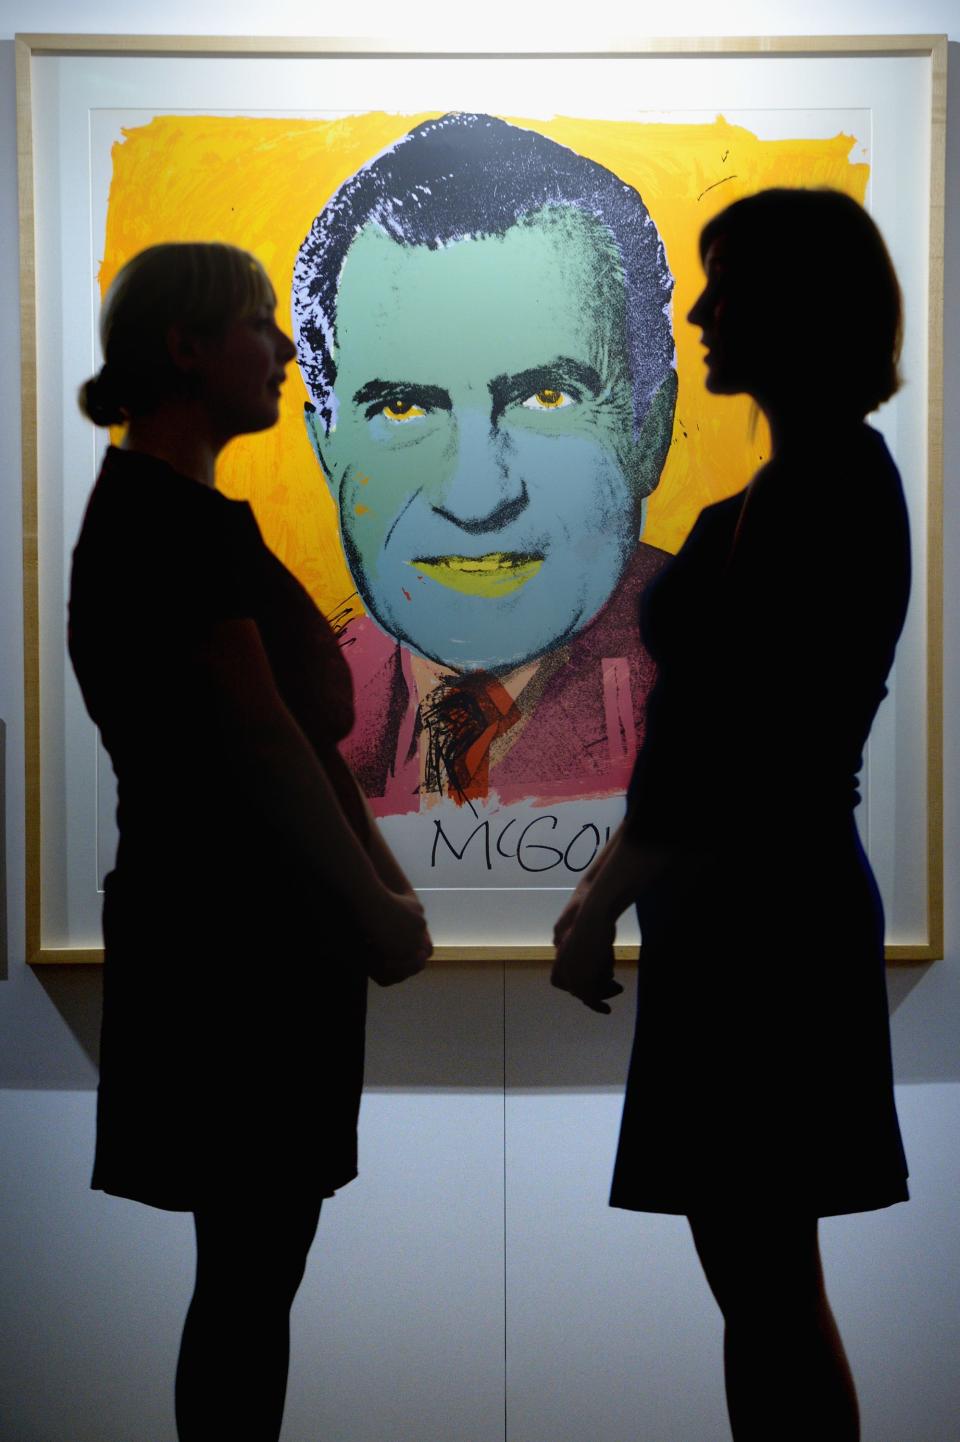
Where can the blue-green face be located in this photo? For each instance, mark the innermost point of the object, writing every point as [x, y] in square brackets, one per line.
[489, 483]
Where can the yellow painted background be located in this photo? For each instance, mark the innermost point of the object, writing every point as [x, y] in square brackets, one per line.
[258, 183]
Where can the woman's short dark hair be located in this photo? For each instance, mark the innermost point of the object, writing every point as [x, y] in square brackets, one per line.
[203, 286]
[817, 258]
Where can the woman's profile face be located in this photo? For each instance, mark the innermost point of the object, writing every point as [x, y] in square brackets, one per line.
[729, 312]
[241, 373]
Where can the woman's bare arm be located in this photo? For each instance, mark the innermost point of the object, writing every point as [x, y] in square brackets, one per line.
[289, 788]
[385, 864]
[586, 929]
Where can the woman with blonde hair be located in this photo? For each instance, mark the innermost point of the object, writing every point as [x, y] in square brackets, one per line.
[760, 1094]
[252, 894]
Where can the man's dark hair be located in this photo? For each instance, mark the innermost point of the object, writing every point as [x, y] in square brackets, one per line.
[471, 176]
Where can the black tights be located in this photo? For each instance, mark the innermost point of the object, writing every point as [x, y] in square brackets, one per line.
[235, 1351]
[786, 1372]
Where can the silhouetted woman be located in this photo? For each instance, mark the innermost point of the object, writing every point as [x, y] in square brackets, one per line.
[251, 894]
[760, 1093]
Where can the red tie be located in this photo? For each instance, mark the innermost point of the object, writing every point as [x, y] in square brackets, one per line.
[463, 719]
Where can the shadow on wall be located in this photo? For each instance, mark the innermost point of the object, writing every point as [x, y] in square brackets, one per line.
[902, 979]
[77, 994]
[4, 937]
[459, 1026]
[443, 1029]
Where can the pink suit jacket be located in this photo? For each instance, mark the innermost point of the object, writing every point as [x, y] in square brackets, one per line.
[579, 739]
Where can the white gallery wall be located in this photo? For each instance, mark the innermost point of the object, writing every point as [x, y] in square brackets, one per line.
[472, 1286]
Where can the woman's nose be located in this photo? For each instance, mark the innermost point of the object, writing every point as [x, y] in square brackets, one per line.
[697, 314]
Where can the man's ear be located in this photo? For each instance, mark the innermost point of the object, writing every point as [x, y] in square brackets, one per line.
[653, 442]
[323, 448]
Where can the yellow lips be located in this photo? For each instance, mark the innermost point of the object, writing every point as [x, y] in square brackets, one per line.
[496, 574]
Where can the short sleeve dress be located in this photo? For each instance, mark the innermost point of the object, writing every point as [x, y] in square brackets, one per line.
[761, 1070]
[234, 985]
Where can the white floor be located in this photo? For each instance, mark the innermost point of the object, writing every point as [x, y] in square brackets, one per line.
[399, 1331]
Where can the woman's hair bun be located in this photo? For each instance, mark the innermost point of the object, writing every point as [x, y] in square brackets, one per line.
[98, 400]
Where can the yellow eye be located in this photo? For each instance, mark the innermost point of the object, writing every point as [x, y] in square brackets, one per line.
[398, 410]
[548, 400]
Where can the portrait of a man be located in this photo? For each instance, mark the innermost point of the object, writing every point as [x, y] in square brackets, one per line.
[509, 417]
[483, 323]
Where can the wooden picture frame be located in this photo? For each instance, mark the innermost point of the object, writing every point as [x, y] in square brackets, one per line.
[896, 85]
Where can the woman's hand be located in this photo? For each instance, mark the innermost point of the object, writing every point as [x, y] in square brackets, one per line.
[397, 930]
[584, 938]
[570, 912]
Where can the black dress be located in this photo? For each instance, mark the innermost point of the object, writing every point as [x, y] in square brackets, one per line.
[761, 1070]
[234, 1000]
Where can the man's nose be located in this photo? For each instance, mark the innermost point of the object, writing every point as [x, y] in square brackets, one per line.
[484, 490]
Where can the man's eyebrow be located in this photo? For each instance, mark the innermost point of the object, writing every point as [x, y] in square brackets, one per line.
[564, 370]
[380, 390]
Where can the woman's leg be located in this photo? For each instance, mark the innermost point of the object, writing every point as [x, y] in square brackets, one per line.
[786, 1372]
[235, 1352]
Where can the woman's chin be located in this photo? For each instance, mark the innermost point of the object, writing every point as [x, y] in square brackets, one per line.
[719, 383]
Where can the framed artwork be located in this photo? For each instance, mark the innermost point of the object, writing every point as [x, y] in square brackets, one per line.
[483, 577]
